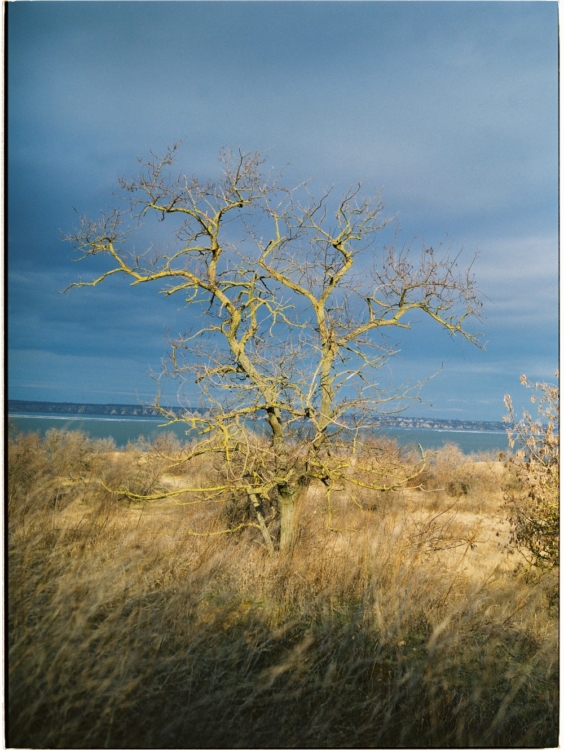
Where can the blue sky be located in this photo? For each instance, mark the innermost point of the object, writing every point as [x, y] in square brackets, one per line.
[449, 108]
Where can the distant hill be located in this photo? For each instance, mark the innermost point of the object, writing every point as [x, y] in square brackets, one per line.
[131, 410]
[64, 407]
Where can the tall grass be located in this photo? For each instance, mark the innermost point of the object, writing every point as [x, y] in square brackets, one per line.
[406, 627]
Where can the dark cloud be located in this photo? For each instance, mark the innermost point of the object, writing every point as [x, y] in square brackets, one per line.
[451, 108]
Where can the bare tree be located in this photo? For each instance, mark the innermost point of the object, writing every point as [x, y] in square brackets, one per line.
[296, 302]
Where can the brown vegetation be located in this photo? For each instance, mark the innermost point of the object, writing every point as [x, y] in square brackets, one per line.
[533, 496]
[399, 623]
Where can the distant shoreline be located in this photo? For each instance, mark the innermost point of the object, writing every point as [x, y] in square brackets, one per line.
[18, 407]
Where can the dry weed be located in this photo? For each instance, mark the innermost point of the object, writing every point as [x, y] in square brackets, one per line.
[127, 631]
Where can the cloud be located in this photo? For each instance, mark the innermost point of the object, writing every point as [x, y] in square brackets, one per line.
[49, 376]
[450, 107]
[531, 258]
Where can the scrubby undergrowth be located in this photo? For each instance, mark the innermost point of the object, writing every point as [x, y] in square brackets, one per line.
[405, 627]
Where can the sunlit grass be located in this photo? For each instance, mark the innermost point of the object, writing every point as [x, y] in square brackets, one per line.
[406, 627]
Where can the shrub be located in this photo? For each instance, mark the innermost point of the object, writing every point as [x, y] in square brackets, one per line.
[53, 470]
[451, 475]
[533, 497]
[67, 466]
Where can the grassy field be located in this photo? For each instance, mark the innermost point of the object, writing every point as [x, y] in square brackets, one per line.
[405, 624]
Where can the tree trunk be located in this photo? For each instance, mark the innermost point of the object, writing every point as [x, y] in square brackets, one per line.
[291, 504]
[262, 523]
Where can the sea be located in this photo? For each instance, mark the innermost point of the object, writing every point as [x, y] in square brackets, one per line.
[126, 430]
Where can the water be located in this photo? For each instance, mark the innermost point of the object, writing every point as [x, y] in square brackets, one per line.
[467, 440]
[122, 429]
[126, 429]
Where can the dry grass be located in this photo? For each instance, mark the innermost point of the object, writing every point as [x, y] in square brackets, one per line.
[406, 627]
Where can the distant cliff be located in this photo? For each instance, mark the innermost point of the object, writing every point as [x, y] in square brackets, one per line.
[131, 410]
[428, 423]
